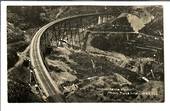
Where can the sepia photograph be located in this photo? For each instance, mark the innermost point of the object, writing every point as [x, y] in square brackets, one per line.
[85, 54]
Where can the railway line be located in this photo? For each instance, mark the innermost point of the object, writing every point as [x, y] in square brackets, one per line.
[42, 75]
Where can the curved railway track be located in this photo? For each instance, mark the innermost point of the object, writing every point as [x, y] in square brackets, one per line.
[42, 75]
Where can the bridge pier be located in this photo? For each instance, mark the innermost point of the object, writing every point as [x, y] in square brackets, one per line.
[104, 19]
[78, 34]
[100, 20]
